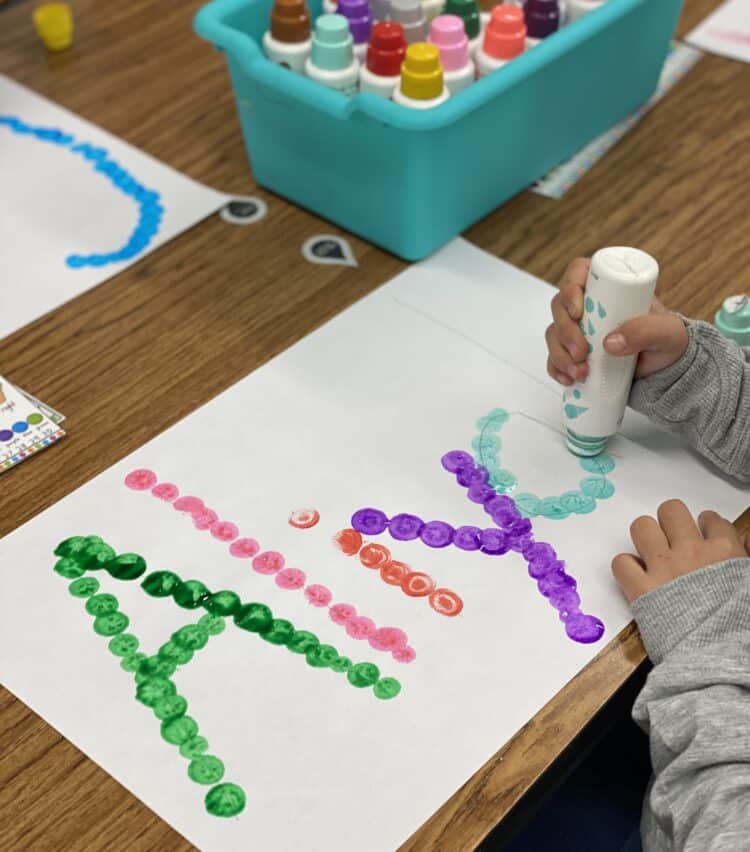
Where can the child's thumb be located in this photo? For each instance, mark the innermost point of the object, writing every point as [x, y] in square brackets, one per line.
[652, 333]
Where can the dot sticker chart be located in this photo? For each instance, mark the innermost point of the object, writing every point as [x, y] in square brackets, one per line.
[80, 204]
[310, 636]
[24, 428]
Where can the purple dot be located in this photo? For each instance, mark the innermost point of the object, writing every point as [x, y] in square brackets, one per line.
[369, 521]
[555, 582]
[540, 551]
[467, 538]
[539, 568]
[5, 434]
[479, 492]
[464, 475]
[456, 459]
[520, 543]
[584, 628]
[480, 476]
[565, 599]
[519, 528]
[436, 534]
[500, 503]
[494, 542]
[405, 527]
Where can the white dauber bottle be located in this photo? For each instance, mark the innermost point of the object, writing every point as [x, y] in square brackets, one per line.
[620, 286]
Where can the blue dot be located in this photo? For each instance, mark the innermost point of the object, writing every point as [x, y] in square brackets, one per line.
[20, 426]
[75, 261]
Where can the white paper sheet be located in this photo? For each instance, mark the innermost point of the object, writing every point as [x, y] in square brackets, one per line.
[55, 205]
[726, 31]
[357, 414]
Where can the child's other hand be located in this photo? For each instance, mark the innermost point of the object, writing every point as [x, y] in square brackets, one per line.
[674, 545]
[658, 339]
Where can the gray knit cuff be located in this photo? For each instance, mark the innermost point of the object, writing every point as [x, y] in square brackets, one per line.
[669, 614]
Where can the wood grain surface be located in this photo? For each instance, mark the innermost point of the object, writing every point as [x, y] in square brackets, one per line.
[128, 359]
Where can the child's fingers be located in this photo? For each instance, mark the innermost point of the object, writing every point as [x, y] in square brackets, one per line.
[712, 525]
[560, 357]
[567, 330]
[648, 537]
[573, 284]
[677, 522]
[651, 333]
[560, 378]
[630, 576]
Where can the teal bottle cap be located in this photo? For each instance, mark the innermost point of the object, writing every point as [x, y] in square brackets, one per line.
[733, 319]
[332, 44]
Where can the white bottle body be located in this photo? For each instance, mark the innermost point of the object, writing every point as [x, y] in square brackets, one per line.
[620, 286]
[578, 8]
[344, 80]
[432, 8]
[475, 44]
[377, 85]
[329, 7]
[292, 55]
[460, 79]
[360, 52]
[400, 98]
[486, 64]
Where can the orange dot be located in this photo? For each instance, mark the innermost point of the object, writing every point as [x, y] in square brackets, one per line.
[446, 602]
[348, 541]
[394, 573]
[417, 584]
[374, 555]
[303, 519]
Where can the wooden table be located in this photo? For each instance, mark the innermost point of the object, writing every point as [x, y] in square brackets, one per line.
[131, 357]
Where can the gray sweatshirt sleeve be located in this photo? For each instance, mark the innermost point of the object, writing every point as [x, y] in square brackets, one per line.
[695, 708]
[704, 396]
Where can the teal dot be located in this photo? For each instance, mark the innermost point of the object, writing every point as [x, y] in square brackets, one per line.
[577, 394]
[600, 464]
[503, 481]
[591, 328]
[600, 309]
[527, 504]
[597, 487]
[551, 508]
[577, 502]
[589, 304]
[591, 348]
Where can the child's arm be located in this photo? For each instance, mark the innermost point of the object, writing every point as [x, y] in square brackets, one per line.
[690, 594]
[688, 377]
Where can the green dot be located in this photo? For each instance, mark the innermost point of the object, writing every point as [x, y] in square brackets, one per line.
[223, 603]
[71, 546]
[160, 584]
[171, 707]
[341, 664]
[387, 687]
[225, 800]
[153, 690]
[155, 667]
[96, 555]
[194, 747]
[600, 464]
[101, 604]
[131, 662]
[597, 487]
[191, 636]
[527, 504]
[363, 674]
[589, 304]
[111, 623]
[255, 617]
[279, 632]
[322, 656]
[179, 730]
[190, 594]
[84, 587]
[578, 502]
[206, 769]
[175, 653]
[302, 641]
[69, 568]
[214, 624]
[126, 566]
[123, 644]
[34, 419]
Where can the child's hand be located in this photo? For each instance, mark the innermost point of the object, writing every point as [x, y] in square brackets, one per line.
[659, 339]
[674, 545]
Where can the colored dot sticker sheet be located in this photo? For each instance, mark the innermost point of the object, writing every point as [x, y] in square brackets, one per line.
[306, 614]
[80, 203]
[25, 428]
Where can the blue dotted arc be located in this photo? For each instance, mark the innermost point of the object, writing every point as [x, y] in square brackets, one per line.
[151, 211]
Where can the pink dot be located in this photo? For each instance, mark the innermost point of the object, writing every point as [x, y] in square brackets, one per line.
[165, 491]
[141, 479]
[389, 639]
[341, 613]
[268, 562]
[404, 655]
[290, 578]
[225, 530]
[244, 548]
[303, 519]
[204, 519]
[318, 595]
[360, 627]
[188, 504]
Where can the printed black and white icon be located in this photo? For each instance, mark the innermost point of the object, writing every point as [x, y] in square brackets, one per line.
[244, 210]
[329, 249]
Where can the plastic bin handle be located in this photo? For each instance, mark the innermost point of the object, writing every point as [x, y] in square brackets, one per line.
[245, 51]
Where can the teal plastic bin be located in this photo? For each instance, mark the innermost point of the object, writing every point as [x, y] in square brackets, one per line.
[410, 180]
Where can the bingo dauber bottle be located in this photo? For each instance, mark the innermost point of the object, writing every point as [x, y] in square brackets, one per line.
[620, 286]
